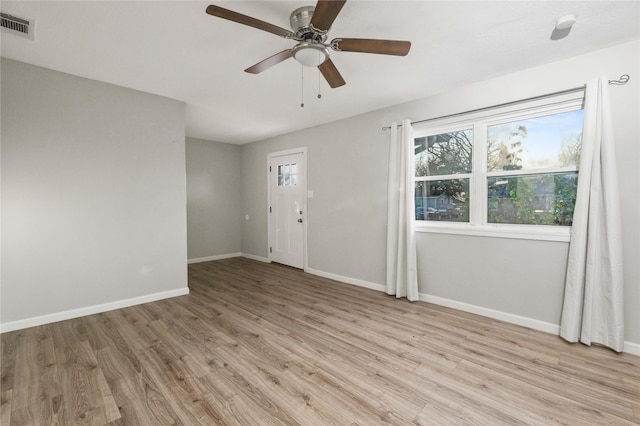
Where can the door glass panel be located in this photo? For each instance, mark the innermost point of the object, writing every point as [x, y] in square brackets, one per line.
[293, 174]
[288, 174]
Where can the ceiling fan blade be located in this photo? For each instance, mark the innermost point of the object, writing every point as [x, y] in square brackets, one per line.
[325, 13]
[230, 15]
[367, 45]
[269, 62]
[331, 74]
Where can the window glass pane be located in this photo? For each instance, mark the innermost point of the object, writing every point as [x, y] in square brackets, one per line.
[544, 199]
[536, 143]
[444, 154]
[280, 177]
[446, 200]
[286, 175]
[293, 175]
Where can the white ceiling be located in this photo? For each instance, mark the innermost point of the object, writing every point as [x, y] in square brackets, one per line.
[175, 49]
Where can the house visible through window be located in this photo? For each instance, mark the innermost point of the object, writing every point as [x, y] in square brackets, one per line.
[443, 172]
[516, 167]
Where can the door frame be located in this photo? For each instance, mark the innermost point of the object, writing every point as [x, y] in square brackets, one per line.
[270, 156]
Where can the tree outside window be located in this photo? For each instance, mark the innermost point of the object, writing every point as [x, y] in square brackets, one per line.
[530, 177]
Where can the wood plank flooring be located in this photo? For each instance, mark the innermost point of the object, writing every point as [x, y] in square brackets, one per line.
[259, 344]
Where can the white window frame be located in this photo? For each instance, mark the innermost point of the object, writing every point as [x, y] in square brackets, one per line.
[479, 122]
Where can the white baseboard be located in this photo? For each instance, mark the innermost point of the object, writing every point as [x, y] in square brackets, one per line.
[90, 310]
[479, 310]
[347, 280]
[492, 313]
[228, 256]
[254, 257]
[631, 348]
[210, 258]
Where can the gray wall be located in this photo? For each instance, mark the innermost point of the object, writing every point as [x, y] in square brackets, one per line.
[346, 218]
[93, 196]
[213, 198]
[93, 193]
[347, 170]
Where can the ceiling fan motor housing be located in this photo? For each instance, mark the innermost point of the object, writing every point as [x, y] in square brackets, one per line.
[300, 21]
[300, 18]
[310, 50]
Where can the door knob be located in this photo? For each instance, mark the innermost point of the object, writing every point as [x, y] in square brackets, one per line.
[300, 220]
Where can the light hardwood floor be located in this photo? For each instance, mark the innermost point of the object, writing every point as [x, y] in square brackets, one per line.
[259, 344]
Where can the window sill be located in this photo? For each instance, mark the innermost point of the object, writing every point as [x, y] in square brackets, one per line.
[520, 232]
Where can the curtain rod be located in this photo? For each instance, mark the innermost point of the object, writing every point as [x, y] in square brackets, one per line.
[620, 82]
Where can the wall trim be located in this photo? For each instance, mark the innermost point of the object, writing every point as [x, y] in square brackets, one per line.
[228, 256]
[347, 280]
[629, 347]
[90, 310]
[210, 258]
[492, 313]
[254, 257]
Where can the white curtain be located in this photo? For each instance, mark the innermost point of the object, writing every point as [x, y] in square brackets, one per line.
[402, 275]
[593, 302]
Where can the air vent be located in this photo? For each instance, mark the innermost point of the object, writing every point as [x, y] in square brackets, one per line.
[18, 26]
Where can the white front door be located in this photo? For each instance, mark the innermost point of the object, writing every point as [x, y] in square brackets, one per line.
[287, 208]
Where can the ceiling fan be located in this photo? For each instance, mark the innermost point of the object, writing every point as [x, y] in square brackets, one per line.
[310, 26]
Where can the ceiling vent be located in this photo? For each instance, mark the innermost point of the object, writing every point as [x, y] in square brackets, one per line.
[19, 26]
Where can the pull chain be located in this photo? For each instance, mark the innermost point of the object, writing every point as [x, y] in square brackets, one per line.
[319, 94]
[302, 88]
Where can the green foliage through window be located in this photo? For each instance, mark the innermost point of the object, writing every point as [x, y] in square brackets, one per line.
[544, 199]
[529, 176]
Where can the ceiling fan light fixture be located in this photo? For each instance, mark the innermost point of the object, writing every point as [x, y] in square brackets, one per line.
[310, 53]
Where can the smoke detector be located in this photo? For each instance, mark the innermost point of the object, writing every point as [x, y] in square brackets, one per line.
[565, 22]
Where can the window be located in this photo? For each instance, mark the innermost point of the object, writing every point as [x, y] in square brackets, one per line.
[287, 174]
[443, 171]
[512, 172]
